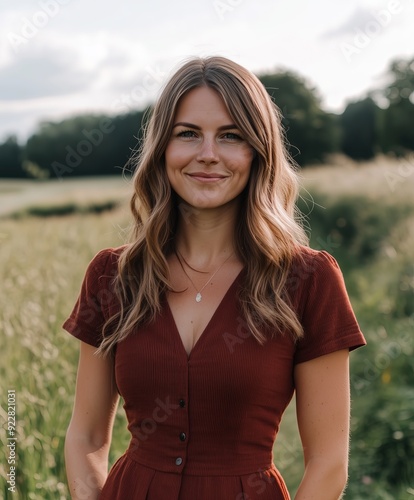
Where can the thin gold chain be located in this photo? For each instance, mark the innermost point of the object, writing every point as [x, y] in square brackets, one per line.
[199, 296]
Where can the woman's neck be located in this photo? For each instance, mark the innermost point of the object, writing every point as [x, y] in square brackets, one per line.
[206, 236]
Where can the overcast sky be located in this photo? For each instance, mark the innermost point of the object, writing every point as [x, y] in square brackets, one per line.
[64, 57]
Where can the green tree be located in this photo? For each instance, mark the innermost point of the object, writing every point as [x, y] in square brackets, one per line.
[311, 132]
[10, 159]
[85, 145]
[359, 124]
[401, 88]
[397, 131]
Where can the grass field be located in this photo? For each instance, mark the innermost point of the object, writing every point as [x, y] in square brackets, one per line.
[43, 260]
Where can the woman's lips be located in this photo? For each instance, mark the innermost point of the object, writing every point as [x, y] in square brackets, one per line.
[204, 177]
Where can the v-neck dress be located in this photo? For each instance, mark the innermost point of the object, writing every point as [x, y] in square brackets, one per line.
[203, 425]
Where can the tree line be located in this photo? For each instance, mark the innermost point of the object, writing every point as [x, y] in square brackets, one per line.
[381, 122]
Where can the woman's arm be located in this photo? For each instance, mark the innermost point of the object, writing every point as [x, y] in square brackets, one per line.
[323, 411]
[89, 434]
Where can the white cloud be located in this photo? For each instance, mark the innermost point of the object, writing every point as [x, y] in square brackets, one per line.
[42, 71]
[357, 20]
[106, 57]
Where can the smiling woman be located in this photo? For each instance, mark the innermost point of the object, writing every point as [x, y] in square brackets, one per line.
[213, 316]
[207, 160]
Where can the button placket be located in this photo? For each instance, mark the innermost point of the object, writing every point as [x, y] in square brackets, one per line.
[182, 436]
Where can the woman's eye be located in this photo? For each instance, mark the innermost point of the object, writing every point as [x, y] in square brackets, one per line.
[186, 133]
[232, 136]
[191, 134]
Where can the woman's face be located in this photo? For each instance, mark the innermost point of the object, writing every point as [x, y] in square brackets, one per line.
[207, 159]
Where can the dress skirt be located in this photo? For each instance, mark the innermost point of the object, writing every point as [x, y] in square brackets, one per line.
[130, 480]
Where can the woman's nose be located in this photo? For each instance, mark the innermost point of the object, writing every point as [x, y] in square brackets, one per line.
[207, 152]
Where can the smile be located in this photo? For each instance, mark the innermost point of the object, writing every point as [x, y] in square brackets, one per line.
[206, 178]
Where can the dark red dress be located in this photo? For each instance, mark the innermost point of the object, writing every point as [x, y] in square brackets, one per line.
[203, 426]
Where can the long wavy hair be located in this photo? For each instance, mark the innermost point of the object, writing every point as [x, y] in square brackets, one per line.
[267, 233]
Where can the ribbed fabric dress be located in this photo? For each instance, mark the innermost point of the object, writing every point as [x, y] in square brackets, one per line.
[203, 426]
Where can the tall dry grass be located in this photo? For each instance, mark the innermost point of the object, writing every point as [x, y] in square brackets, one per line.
[42, 265]
[43, 262]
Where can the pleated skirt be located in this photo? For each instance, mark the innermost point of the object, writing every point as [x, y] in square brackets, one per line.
[131, 480]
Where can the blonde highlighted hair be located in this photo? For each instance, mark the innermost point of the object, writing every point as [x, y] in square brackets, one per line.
[267, 234]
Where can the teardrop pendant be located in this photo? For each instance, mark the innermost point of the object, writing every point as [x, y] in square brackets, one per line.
[198, 296]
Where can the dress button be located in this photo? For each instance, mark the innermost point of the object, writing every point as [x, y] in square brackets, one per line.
[178, 461]
[183, 436]
[181, 403]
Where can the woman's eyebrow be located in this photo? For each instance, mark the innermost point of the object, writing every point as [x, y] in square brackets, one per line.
[196, 127]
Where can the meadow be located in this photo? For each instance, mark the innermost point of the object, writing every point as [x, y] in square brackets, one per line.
[361, 214]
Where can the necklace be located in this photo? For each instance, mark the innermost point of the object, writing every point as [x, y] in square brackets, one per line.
[188, 265]
[198, 296]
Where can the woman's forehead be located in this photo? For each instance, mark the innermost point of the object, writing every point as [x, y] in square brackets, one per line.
[203, 104]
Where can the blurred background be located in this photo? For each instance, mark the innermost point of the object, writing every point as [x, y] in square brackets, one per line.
[76, 82]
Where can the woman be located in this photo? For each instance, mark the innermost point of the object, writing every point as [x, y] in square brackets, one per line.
[213, 316]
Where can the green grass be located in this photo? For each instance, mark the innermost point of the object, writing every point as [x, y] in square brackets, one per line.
[43, 262]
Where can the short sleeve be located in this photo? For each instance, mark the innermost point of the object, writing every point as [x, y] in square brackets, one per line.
[327, 317]
[90, 311]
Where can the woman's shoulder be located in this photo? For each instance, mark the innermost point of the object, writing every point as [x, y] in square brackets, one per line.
[104, 264]
[320, 299]
[309, 265]
[107, 255]
[307, 261]
[307, 254]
